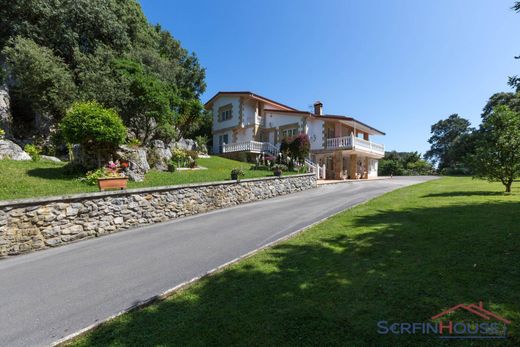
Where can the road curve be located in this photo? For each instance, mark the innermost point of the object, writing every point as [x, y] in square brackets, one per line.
[50, 294]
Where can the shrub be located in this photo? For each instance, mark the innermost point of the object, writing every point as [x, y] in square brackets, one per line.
[280, 167]
[180, 157]
[33, 151]
[2, 133]
[300, 147]
[237, 171]
[134, 143]
[202, 142]
[94, 127]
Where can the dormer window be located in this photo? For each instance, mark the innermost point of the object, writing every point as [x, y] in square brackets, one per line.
[225, 113]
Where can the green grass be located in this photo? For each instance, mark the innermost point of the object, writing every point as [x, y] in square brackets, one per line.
[403, 257]
[24, 179]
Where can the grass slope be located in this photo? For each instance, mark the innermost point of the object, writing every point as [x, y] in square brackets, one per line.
[403, 257]
[23, 179]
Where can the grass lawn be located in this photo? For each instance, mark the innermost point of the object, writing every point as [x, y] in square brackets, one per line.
[24, 179]
[403, 257]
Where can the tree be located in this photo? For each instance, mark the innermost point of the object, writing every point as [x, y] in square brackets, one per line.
[42, 80]
[300, 147]
[497, 156]
[85, 40]
[403, 164]
[447, 135]
[514, 81]
[94, 127]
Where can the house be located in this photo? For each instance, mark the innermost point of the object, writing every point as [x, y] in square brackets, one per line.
[247, 124]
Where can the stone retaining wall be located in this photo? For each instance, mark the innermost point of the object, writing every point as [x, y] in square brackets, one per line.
[32, 224]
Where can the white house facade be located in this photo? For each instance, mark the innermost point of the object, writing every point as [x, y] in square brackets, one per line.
[341, 146]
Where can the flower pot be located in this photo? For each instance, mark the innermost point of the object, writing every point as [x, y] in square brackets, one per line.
[277, 173]
[234, 177]
[112, 183]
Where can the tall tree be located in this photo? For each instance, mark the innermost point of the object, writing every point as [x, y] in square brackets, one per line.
[497, 155]
[514, 81]
[447, 136]
[41, 78]
[88, 38]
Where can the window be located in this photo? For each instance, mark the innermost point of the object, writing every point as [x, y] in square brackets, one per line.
[225, 113]
[222, 139]
[289, 132]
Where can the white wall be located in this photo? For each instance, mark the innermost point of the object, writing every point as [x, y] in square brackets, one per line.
[372, 167]
[276, 120]
[315, 132]
[222, 101]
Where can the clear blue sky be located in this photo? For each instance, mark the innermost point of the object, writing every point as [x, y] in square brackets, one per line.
[397, 65]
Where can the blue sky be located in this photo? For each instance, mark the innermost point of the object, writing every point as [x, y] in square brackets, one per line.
[397, 65]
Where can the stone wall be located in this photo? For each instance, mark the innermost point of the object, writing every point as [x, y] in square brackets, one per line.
[32, 224]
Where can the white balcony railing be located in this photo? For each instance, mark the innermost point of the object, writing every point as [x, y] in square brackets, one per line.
[339, 142]
[250, 146]
[352, 142]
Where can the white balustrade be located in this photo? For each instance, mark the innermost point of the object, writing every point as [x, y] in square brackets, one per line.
[250, 146]
[351, 142]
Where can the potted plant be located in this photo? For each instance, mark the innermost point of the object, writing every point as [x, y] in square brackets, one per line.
[112, 176]
[278, 169]
[236, 173]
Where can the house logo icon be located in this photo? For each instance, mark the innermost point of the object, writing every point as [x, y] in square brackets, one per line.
[481, 324]
[490, 325]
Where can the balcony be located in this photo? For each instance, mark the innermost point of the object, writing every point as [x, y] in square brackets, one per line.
[355, 143]
[250, 146]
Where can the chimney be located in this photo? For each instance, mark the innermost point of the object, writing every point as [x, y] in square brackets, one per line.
[318, 108]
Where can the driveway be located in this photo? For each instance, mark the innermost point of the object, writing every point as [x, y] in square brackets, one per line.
[50, 294]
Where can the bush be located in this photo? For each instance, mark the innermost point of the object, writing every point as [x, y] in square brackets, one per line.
[134, 143]
[179, 157]
[237, 171]
[280, 167]
[2, 133]
[33, 151]
[202, 143]
[93, 126]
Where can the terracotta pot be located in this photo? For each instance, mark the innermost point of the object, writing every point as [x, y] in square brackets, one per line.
[112, 183]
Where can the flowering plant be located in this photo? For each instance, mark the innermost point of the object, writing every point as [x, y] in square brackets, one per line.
[111, 170]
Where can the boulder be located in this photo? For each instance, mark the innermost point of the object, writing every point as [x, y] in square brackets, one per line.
[50, 158]
[10, 150]
[6, 118]
[159, 155]
[185, 144]
[137, 158]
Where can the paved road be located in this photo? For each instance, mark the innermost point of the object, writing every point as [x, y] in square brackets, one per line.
[50, 294]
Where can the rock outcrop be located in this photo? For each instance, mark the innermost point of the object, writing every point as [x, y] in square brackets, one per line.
[137, 158]
[185, 144]
[10, 150]
[6, 118]
[159, 155]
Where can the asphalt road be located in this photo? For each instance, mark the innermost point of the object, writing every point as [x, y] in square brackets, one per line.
[50, 294]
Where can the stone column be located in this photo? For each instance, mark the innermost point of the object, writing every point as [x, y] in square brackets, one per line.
[353, 166]
[338, 165]
[366, 167]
